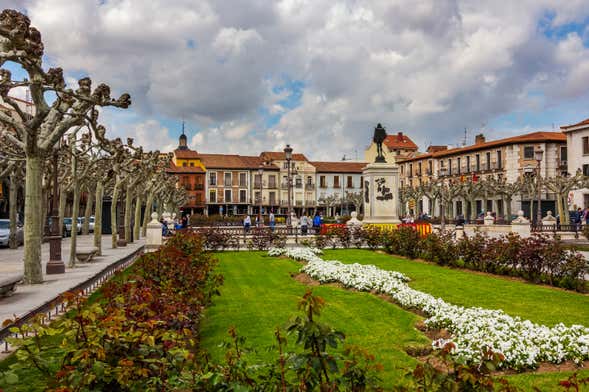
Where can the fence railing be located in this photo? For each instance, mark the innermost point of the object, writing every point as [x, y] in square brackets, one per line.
[55, 306]
[574, 228]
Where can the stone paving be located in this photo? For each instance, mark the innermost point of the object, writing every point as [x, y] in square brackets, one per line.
[28, 297]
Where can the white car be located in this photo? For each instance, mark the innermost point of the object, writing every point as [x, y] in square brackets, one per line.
[5, 233]
[67, 227]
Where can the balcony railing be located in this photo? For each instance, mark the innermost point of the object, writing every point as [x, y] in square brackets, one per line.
[309, 186]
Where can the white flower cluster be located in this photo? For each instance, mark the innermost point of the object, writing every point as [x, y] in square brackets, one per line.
[304, 254]
[523, 343]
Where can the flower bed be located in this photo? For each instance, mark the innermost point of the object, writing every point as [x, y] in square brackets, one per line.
[523, 343]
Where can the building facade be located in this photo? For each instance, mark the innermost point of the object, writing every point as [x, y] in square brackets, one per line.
[339, 187]
[577, 139]
[396, 148]
[507, 159]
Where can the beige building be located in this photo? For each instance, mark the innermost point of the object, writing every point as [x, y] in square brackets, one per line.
[303, 180]
[577, 136]
[507, 158]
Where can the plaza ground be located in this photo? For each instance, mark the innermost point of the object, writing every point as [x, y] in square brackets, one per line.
[260, 294]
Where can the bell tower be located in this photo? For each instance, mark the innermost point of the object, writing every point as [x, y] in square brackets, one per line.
[182, 140]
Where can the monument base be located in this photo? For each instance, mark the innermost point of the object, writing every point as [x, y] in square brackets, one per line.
[381, 192]
[377, 220]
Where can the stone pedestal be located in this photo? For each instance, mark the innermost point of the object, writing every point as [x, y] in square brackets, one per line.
[459, 232]
[549, 220]
[521, 225]
[381, 193]
[489, 220]
[153, 238]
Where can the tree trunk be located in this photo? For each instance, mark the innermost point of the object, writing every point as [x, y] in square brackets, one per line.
[98, 217]
[33, 224]
[473, 210]
[559, 207]
[507, 203]
[128, 209]
[87, 213]
[12, 194]
[147, 213]
[75, 212]
[565, 219]
[137, 223]
[113, 213]
[62, 203]
[532, 216]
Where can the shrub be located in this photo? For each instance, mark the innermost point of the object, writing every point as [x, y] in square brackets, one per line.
[339, 235]
[263, 238]
[439, 248]
[372, 236]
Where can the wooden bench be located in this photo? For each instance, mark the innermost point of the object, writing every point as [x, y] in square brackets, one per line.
[85, 255]
[8, 284]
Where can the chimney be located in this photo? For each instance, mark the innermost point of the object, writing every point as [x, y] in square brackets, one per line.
[433, 149]
[479, 139]
[400, 136]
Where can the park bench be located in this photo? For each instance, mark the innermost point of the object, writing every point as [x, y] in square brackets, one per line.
[8, 284]
[85, 255]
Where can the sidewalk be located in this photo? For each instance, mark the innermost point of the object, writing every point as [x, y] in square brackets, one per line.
[28, 297]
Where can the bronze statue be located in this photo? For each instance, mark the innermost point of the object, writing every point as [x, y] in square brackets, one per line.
[379, 135]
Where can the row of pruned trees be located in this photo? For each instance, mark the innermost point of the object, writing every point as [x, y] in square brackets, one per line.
[59, 134]
[442, 192]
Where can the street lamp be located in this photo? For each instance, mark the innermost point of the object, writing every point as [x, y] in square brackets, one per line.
[288, 156]
[260, 173]
[538, 155]
[55, 265]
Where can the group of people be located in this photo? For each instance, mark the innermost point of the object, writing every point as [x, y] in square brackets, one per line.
[177, 224]
[304, 222]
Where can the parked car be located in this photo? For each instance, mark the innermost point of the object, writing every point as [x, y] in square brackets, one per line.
[5, 233]
[91, 224]
[67, 227]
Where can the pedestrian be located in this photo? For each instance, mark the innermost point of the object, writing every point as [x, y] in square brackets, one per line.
[304, 224]
[586, 215]
[247, 222]
[317, 223]
[272, 220]
[184, 222]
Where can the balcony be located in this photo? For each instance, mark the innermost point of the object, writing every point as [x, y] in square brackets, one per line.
[284, 185]
[299, 186]
[310, 203]
[299, 203]
[310, 186]
[272, 185]
[199, 187]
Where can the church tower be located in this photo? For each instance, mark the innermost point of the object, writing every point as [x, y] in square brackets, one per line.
[182, 140]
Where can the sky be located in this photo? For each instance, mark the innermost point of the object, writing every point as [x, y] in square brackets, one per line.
[253, 75]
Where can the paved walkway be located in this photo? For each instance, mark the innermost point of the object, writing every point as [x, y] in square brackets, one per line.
[28, 297]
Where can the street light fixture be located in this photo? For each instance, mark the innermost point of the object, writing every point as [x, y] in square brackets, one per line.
[55, 265]
[288, 156]
[538, 154]
[260, 173]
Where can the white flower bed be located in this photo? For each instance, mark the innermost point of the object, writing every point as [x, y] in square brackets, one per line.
[522, 342]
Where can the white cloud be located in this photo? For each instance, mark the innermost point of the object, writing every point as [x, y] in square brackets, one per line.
[427, 67]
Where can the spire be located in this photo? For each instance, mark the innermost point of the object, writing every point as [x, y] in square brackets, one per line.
[182, 140]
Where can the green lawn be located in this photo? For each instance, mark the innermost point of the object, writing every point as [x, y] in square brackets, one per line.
[540, 304]
[260, 294]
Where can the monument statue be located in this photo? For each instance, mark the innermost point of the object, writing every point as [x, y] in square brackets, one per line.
[379, 135]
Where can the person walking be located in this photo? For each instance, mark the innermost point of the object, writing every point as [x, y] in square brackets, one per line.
[304, 224]
[317, 223]
[271, 220]
[247, 223]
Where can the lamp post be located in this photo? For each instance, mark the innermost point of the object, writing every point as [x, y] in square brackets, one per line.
[260, 173]
[538, 155]
[288, 156]
[55, 265]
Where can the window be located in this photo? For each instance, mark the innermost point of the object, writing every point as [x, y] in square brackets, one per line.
[322, 182]
[458, 165]
[213, 178]
[284, 181]
[257, 180]
[272, 198]
[272, 181]
[228, 179]
[257, 197]
[586, 199]
[227, 195]
[499, 159]
[585, 145]
[468, 164]
[336, 182]
[285, 165]
[586, 170]
[430, 167]
[298, 182]
[563, 154]
[450, 167]
[212, 196]
[183, 164]
[309, 180]
[243, 196]
[350, 183]
[529, 152]
[402, 169]
[478, 162]
[488, 158]
[419, 169]
[192, 164]
[242, 180]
